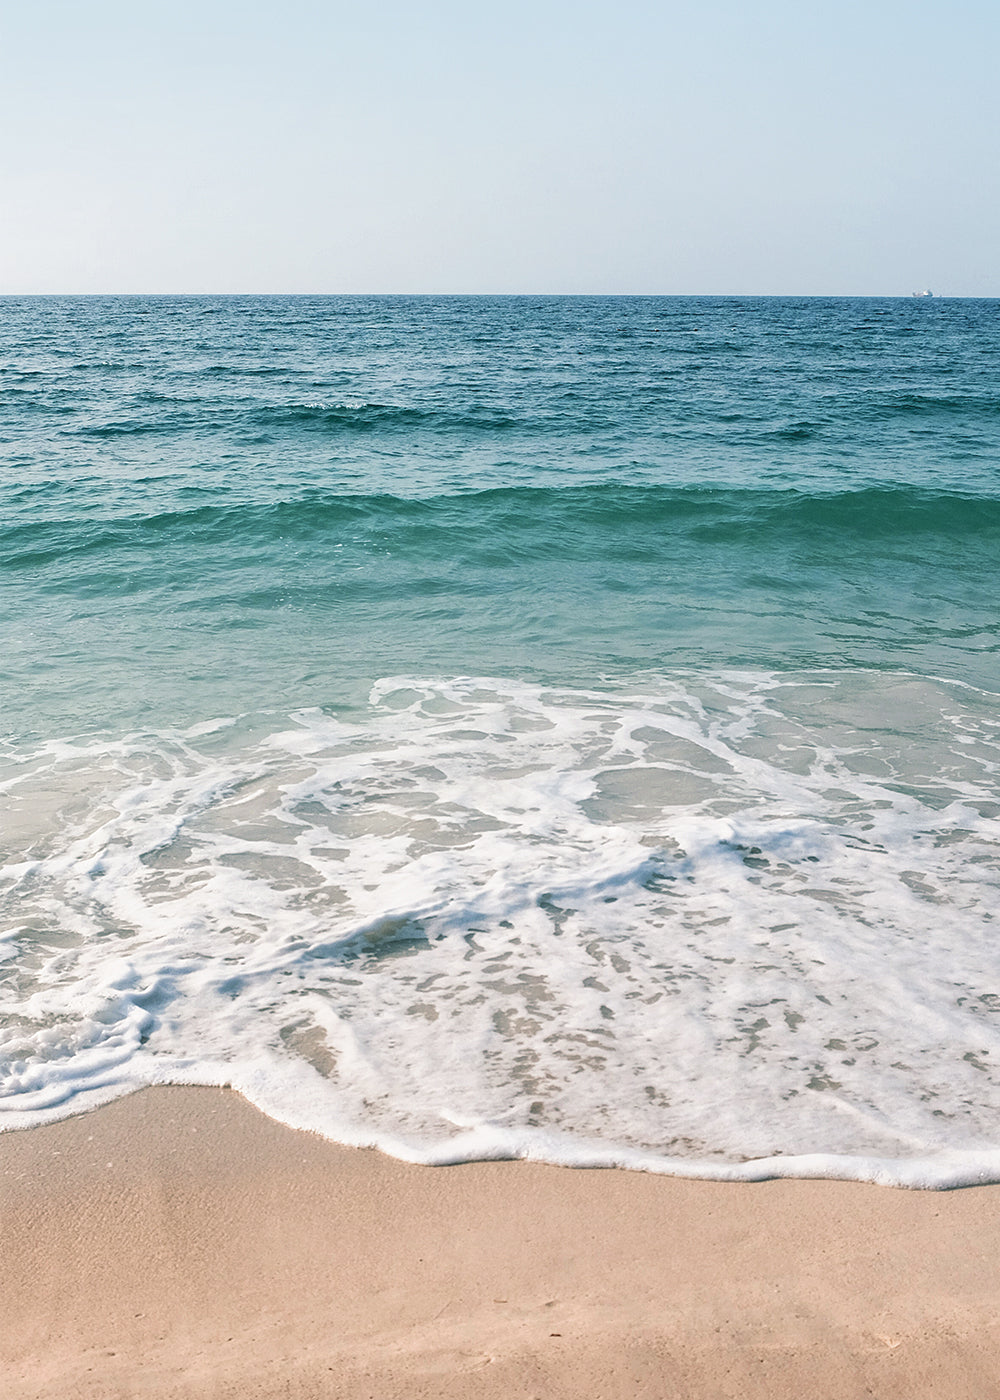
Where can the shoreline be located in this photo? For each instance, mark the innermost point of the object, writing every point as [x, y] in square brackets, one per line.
[177, 1243]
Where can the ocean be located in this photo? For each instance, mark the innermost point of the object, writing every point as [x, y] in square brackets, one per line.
[552, 727]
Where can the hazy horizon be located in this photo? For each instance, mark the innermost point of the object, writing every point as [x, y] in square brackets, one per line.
[513, 296]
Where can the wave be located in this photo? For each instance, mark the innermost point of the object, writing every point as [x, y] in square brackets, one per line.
[533, 518]
[841, 414]
[376, 417]
[197, 415]
[886, 403]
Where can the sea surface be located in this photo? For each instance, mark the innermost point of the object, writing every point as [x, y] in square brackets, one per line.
[481, 727]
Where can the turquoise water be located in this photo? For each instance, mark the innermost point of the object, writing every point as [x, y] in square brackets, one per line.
[357, 646]
[247, 501]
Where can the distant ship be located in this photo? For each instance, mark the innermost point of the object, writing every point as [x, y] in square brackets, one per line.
[924, 293]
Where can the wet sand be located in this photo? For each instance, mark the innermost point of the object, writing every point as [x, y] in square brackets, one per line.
[177, 1244]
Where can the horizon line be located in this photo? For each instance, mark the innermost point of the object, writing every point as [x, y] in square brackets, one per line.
[736, 296]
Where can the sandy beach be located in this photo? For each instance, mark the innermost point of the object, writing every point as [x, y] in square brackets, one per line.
[179, 1244]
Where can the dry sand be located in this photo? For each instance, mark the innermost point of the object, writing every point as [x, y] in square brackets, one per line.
[179, 1244]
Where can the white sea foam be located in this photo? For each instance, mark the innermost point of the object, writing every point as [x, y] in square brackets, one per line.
[729, 926]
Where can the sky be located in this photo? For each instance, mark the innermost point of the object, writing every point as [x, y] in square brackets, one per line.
[753, 147]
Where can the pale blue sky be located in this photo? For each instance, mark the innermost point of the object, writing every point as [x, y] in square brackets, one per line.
[765, 147]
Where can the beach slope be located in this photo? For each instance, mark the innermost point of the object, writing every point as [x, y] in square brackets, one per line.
[179, 1244]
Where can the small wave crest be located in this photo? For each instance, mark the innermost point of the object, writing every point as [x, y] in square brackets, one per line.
[179, 413]
[527, 519]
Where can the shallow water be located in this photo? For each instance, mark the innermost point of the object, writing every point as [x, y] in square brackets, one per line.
[556, 727]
